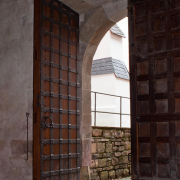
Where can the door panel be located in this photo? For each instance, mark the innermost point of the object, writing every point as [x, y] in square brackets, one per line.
[56, 92]
[154, 31]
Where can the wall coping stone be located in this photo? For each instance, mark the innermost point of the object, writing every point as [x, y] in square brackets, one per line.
[113, 128]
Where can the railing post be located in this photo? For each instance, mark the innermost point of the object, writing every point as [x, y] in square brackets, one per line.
[95, 110]
[120, 110]
[95, 107]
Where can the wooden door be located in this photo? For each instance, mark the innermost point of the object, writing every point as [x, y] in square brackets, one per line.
[56, 92]
[155, 88]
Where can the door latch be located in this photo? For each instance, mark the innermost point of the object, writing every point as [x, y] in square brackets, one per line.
[27, 117]
[45, 122]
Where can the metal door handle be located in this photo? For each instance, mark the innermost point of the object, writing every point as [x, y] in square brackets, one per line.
[27, 116]
[45, 122]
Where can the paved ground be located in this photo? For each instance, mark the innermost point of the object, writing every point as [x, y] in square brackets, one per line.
[128, 178]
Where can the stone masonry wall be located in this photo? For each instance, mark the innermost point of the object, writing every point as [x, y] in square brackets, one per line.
[110, 149]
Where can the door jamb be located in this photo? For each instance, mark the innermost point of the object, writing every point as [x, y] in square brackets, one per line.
[36, 92]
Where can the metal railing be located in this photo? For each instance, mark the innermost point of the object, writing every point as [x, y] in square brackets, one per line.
[95, 106]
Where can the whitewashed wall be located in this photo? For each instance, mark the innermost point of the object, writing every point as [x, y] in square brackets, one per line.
[123, 24]
[110, 46]
[116, 47]
[109, 84]
[104, 48]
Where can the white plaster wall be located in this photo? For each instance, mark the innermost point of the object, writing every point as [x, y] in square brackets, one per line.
[109, 84]
[104, 49]
[123, 89]
[110, 46]
[104, 83]
[123, 24]
[116, 46]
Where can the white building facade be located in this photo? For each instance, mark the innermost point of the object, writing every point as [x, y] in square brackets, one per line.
[110, 76]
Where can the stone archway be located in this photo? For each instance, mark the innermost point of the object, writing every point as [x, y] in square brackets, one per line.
[16, 70]
[91, 33]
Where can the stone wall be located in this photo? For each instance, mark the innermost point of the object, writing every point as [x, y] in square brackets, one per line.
[110, 149]
[16, 71]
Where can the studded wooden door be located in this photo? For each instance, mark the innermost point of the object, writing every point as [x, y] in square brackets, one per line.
[56, 92]
[155, 88]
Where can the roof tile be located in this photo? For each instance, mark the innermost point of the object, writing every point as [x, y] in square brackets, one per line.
[110, 66]
[116, 30]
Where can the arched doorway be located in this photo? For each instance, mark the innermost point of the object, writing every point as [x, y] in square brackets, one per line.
[155, 32]
[93, 26]
[88, 50]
